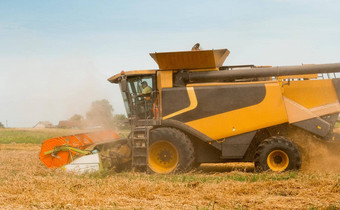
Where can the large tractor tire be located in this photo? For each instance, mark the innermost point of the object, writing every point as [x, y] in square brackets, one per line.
[278, 154]
[170, 151]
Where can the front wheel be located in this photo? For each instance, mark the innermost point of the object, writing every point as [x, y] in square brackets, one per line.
[277, 154]
[170, 151]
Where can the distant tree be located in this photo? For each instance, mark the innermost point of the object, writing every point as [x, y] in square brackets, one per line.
[77, 117]
[100, 113]
[1, 125]
[119, 117]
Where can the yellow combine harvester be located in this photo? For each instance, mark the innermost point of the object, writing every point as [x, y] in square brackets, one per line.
[194, 110]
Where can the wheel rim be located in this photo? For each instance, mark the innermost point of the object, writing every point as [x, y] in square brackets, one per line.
[163, 157]
[278, 160]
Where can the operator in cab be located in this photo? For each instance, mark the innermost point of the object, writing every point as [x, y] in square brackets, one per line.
[146, 88]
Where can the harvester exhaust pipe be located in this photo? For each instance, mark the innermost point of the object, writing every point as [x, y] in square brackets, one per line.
[231, 75]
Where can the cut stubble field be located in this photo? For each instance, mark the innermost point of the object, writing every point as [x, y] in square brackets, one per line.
[26, 183]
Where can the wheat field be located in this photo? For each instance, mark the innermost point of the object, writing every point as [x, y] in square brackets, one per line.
[27, 184]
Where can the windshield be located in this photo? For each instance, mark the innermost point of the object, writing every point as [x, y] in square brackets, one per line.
[140, 85]
[137, 99]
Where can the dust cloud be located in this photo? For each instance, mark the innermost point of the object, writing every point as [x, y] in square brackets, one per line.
[53, 88]
[317, 155]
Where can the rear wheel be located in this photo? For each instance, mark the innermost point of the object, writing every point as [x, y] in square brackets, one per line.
[170, 151]
[277, 154]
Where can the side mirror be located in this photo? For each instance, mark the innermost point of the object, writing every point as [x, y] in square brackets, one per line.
[123, 85]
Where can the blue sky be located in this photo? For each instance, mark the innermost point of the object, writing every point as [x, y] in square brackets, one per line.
[55, 56]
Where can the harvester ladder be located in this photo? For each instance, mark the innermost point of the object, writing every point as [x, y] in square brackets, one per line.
[140, 145]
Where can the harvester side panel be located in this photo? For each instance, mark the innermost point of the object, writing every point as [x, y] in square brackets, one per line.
[311, 93]
[224, 111]
[307, 100]
[211, 100]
